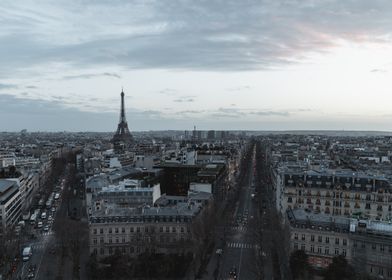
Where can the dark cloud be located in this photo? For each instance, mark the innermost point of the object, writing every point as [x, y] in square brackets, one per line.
[89, 76]
[184, 99]
[200, 35]
[271, 113]
[7, 86]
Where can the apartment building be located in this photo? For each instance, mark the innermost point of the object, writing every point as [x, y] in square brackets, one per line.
[132, 231]
[366, 244]
[10, 204]
[334, 192]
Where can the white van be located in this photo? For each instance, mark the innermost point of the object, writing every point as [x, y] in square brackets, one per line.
[43, 215]
[27, 253]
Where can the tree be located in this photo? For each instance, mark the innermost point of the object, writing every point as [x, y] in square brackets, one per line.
[339, 269]
[299, 264]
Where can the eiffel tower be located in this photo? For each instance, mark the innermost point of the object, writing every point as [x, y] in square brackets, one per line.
[122, 138]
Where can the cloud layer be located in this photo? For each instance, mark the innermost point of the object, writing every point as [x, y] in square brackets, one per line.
[207, 35]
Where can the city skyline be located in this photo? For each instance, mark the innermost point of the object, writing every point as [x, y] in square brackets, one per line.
[259, 65]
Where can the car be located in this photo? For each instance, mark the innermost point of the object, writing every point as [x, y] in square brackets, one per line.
[53, 209]
[233, 273]
[219, 251]
[31, 275]
[46, 228]
[40, 224]
[50, 218]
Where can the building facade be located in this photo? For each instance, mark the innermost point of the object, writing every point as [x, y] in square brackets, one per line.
[10, 204]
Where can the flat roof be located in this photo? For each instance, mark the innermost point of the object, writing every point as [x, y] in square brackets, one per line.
[5, 185]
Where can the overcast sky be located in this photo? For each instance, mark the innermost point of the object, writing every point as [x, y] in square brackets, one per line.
[263, 65]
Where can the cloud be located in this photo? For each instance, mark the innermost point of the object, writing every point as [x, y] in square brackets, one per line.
[168, 91]
[89, 76]
[379, 71]
[239, 88]
[31, 87]
[7, 86]
[271, 113]
[184, 99]
[198, 35]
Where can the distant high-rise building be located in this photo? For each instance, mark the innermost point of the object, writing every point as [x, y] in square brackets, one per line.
[122, 139]
[211, 135]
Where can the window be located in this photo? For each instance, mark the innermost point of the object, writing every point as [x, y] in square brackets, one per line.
[344, 242]
[319, 250]
[312, 237]
[312, 248]
[101, 240]
[327, 239]
[326, 250]
[336, 251]
[110, 230]
[138, 229]
[167, 229]
[101, 230]
[110, 250]
[374, 246]
[382, 248]
[110, 241]
[160, 229]
[182, 229]
[95, 241]
[102, 251]
[303, 237]
[131, 229]
[123, 240]
[337, 241]
[295, 246]
[95, 231]
[123, 230]
[116, 230]
[344, 253]
[320, 239]
[303, 247]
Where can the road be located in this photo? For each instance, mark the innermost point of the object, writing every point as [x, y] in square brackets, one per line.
[42, 241]
[240, 244]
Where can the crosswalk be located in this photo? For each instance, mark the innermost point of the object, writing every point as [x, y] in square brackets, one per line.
[239, 228]
[46, 233]
[238, 245]
[40, 246]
